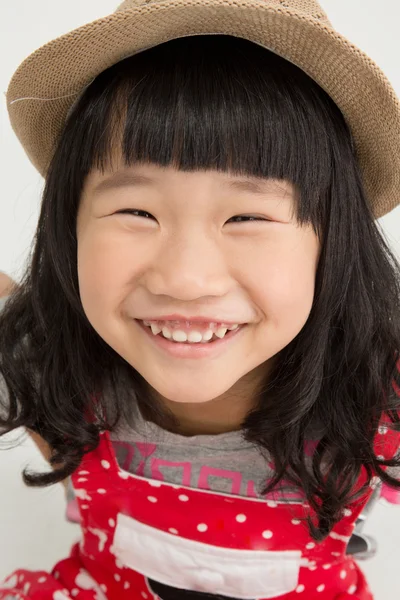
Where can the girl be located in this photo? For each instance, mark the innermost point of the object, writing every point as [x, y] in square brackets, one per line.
[207, 336]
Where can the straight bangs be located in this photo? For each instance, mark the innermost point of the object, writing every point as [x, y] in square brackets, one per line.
[189, 104]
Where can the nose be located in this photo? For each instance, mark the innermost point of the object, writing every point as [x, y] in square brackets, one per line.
[187, 266]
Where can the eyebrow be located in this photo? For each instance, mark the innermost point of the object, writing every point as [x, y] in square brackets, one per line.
[253, 185]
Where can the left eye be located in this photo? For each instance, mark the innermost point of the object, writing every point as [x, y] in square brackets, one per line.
[242, 218]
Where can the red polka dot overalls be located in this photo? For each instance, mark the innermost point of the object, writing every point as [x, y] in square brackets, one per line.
[147, 539]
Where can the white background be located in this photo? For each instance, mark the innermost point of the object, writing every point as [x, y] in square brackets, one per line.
[33, 530]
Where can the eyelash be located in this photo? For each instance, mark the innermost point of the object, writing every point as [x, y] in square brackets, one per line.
[130, 211]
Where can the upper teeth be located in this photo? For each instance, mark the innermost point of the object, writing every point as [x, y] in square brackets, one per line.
[178, 335]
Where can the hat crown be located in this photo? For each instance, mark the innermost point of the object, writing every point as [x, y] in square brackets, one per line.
[309, 8]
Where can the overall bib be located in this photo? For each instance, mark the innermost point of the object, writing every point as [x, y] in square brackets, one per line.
[145, 539]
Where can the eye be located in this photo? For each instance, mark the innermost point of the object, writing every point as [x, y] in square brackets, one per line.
[242, 217]
[131, 211]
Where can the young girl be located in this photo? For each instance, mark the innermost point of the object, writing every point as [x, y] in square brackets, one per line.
[207, 335]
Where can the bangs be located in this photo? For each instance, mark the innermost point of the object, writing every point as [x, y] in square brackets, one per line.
[215, 102]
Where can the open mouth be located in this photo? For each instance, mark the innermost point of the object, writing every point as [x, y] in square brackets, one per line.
[193, 337]
[191, 350]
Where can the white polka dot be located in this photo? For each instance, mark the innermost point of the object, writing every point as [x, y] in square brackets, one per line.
[119, 564]
[383, 429]
[74, 592]
[267, 534]
[313, 567]
[83, 473]
[241, 518]
[300, 588]
[296, 521]
[154, 483]
[117, 577]
[335, 553]
[183, 497]
[26, 587]
[343, 574]
[82, 479]
[347, 512]
[103, 587]
[84, 506]
[326, 566]
[105, 464]
[11, 582]
[101, 491]
[84, 580]
[321, 588]
[380, 456]
[58, 595]
[82, 494]
[144, 594]
[152, 499]
[22, 577]
[40, 580]
[202, 527]
[352, 589]
[173, 530]
[310, 545]
[271, 504]
[127, 585]
[111, 522]
[123, 474]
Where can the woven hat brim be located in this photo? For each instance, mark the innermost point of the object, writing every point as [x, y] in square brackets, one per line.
[47, 82]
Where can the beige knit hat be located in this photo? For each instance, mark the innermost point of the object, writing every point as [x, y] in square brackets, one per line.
[47, 83]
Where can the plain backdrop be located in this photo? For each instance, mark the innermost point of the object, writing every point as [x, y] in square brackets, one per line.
[33, 531]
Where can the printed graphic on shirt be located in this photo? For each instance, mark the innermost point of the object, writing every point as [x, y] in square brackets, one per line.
[145, 460]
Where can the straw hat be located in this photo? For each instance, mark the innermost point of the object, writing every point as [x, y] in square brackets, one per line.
[47, 83]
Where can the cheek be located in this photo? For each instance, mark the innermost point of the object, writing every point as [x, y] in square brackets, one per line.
[101, 270]
[287, 287]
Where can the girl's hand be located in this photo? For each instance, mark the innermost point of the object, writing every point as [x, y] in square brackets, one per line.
[6, 284]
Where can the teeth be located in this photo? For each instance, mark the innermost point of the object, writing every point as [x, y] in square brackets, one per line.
[221, 332]
[154, 328]
[193, 336]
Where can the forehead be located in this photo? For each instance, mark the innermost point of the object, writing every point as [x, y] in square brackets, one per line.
[155, 175]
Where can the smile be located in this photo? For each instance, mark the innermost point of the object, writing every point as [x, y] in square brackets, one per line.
[220, 341]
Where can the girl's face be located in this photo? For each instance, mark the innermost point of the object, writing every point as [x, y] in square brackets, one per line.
[188, 253]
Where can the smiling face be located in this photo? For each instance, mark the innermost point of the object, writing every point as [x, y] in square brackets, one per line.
[189, 253]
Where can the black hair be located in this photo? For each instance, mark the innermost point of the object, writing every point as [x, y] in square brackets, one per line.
[222, 103]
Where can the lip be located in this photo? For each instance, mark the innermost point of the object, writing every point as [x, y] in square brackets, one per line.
[191, 351]
[201, 319]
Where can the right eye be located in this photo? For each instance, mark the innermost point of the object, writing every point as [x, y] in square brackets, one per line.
[131, 211]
